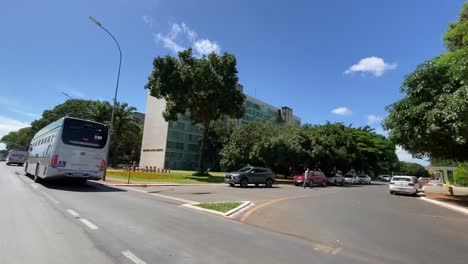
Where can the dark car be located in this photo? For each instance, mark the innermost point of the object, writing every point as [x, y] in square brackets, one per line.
[315, 178]
[250, 175]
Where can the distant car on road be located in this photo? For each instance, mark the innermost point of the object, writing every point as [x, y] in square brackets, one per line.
[350, 179]
[423, 181]
[250, 175]
[336, 179]
[3, 158]
[404, 184]
[17, 157]
[314, 178]
[364, 179]
[385, 178]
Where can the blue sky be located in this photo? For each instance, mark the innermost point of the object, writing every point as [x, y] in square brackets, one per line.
[334, 60]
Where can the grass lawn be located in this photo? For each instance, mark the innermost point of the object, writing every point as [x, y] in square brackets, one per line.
[173, 176]
[220, 207]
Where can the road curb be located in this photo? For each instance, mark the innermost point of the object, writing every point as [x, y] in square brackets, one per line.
[228, 214]
[446, 205]
[156, 184]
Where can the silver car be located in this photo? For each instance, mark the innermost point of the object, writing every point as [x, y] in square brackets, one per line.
[364, 179]
[350, 179]
[404, 184]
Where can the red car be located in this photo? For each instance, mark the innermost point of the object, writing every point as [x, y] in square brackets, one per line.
[316, 177]
[423, 181]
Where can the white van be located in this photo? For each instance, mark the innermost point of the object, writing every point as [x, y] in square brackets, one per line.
[16, 156]
[69, 148]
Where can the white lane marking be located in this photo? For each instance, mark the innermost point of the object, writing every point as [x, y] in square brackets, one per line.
[162, 196]
[52, 199]
[89, 224]
[73, 213]
[132, 257]
[34, 185]
[446, 205]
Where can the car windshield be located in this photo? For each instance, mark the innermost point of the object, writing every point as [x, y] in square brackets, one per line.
[349, 176]
[362, 176]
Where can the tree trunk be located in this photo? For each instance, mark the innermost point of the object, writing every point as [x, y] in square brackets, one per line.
[206, 127]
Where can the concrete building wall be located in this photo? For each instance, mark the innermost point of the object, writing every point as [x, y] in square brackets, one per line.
[153, 147]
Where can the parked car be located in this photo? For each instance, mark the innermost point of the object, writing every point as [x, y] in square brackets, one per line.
[2, 158]
[423, 181]
[364, 179]
[404, 184]
[336, 179]
[250, 175]
[314, 178]
[16, 156]
[350, 179]
[385, 178]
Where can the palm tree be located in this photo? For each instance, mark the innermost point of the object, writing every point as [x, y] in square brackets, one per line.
[124, 124]
[100, 111]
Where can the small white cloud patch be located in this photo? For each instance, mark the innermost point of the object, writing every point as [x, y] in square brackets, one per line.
[148, 21]
[372, 119]
[374, 65]
[342, 111]
[181, 33]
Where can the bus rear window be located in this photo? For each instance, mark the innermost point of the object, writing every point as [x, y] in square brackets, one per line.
[84, 133]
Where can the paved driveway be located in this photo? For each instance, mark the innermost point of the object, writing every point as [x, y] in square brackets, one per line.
[222, 192]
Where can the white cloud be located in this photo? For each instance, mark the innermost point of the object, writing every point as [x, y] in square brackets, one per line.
[181, 36]
[168, 43]
[404, 155]
[148, 20]
[374, 65]
[372, 119]
[342, 111]
[205, 47]
[8, 124]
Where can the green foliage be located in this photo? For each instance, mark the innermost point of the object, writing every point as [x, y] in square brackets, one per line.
[457, 35]
[207, 88]
[432, 119]
[461, 174]
[329, 147]
[218, 135]
[126, 131]
[413, 169]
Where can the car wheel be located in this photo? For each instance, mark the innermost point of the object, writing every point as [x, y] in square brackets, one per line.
[256, 185]
[391, 192]
[8, 164]
[231, 184]
[244, 183]
[36, 175]
[269, 183]
[324, 184]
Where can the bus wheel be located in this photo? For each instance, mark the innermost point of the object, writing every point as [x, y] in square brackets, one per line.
[36, 175]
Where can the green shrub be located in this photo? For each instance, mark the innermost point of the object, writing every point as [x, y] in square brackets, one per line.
[461, 174]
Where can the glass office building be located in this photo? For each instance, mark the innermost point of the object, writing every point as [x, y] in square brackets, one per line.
[175, 144]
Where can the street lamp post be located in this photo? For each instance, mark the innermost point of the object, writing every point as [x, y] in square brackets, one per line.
[116, 91]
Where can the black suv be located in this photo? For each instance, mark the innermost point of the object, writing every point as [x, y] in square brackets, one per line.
[250, 175]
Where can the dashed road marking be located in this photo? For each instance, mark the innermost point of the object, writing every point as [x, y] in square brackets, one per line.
[73, 213]
[34, 185]
[89, 224]
[132, 257]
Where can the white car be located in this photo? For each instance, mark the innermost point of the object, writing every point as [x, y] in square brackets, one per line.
[404, 184]
[351, 179]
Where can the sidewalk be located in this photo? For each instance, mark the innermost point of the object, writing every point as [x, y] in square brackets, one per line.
[440, 195]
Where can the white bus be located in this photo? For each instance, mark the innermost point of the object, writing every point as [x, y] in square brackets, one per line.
[68, 148]
[16, 156]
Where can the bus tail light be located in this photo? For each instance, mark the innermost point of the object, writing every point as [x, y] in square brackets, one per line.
[54, 161]
[103, 165]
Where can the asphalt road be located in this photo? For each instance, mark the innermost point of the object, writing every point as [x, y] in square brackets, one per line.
[369, 223]
[115, 226]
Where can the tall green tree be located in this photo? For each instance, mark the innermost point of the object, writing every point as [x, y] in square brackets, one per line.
[206, 88]
[100, 111]
[432, 119]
